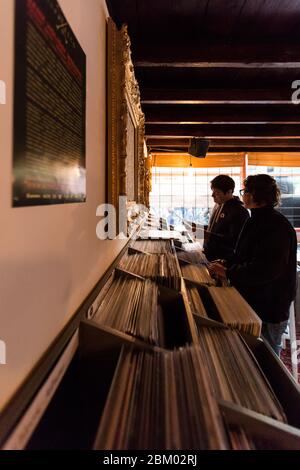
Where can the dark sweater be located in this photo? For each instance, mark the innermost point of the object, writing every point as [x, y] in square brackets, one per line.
[221, 241]
[264, 265]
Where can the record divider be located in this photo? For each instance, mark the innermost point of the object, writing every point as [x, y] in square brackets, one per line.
[133, 251]
[259, 426]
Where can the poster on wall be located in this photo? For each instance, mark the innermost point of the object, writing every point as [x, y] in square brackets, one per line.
[49, 107]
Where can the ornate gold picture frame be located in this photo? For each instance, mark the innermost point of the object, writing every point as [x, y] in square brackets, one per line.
[126, 163]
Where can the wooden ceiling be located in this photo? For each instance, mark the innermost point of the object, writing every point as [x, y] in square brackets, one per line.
[219, 69]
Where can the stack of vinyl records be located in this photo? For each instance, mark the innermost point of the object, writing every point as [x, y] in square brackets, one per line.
[162, 401]
[149, 233]
[234, 373]
[224, 304]
[235, 377]
[197, 273]
[162, 268]
[192, 256]
[131, 306]
[196, 303]
[170, 400]
[194, 246]
[235, 311]
[153, 246]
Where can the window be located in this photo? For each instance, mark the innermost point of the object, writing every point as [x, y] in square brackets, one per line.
[288, 179]
[184, 193]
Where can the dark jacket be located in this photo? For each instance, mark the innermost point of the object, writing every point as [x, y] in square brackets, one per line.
[264, 265]
[221, 240]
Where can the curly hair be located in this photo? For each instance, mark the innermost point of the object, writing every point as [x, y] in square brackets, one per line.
[264, 189]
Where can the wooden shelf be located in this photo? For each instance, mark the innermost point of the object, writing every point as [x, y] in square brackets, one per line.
[274, 433]
[100, 347]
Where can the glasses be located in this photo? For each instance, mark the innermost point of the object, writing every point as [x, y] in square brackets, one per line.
[243, 191]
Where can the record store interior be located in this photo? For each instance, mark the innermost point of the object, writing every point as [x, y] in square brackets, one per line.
[150, 225]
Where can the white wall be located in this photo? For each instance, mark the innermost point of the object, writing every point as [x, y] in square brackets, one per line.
[50, 257]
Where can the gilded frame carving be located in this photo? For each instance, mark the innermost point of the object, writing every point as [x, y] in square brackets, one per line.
[123, 99]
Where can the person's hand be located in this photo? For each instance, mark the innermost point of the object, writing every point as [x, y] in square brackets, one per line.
[217, 270]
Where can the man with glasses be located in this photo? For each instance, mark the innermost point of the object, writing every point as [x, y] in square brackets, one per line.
[227, 219]
[263, 267]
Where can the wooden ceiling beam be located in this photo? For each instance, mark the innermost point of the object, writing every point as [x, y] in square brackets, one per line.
[221, 64]
[256, 149]
[235, 149]
[206, 114]
[228, 130]
[242, 142]
[216, 96]
[219, 55]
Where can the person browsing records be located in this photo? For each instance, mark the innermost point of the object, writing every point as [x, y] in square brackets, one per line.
[227, 219]
[264, 265]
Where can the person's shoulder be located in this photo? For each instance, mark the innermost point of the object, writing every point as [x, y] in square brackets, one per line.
[234, 202]
[280, 220]
[237, 206]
